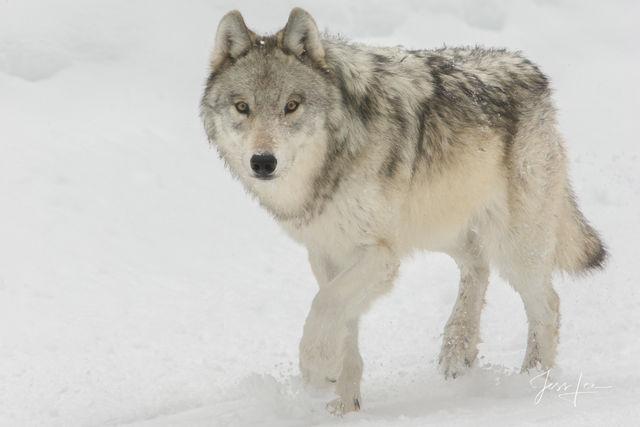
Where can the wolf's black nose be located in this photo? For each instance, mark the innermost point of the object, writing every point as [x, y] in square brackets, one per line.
[263, 164]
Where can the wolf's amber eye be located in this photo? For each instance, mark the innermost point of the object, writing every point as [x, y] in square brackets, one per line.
[242, 107]
[291, 107]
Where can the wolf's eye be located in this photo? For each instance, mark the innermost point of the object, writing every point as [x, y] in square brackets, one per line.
[291, 107]
[242, 107]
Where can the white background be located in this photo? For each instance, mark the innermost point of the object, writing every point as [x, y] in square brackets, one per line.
[140, 286]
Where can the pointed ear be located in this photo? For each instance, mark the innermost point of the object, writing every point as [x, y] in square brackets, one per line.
[301, 36]
[233, 39]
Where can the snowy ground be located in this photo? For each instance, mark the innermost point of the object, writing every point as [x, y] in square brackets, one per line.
[140, 286]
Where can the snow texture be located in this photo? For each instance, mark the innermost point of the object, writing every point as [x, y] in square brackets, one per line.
[140, 286]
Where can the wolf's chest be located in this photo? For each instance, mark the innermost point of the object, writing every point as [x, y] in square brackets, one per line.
[346, 222]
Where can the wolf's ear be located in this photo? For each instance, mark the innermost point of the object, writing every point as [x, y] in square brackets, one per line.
[301, 36]
[233, 39]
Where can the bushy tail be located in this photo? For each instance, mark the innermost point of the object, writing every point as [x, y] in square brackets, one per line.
[579, 247]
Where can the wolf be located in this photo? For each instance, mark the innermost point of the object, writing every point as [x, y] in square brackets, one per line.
[367, 154]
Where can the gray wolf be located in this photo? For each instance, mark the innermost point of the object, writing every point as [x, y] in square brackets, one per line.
[366, 154]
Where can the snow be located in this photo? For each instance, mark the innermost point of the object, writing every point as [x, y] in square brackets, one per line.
[140, 286]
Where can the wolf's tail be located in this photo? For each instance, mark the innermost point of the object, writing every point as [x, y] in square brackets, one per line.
[579, 247]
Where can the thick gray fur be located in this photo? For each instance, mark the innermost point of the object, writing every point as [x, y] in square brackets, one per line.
[391, 151]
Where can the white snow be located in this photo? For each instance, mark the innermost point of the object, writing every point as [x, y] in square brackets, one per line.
[139, 284]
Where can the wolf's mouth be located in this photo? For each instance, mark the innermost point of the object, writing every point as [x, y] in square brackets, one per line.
[265, 178]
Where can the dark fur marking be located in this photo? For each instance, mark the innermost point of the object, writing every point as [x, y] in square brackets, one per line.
[367, 107]
[496, 105]
[420, 152]
[400, 121]
[380, 59]
[598, 258]
[399, 115]
[337, 160]
[393, 159]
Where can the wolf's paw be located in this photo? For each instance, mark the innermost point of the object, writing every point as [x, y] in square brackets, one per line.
[457, 355]
[321, 359]
[341, 406]
[529, 365]
[534, 361]
[541, 351]
[319, 375]
[323, 342]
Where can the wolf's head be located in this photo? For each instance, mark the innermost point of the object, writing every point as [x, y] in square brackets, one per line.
[267, 108]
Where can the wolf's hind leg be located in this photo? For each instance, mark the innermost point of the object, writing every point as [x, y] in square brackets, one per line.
[461, 334]
[541, 304]
[527, 263]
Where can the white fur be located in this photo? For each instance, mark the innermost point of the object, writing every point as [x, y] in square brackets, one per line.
[492, 190]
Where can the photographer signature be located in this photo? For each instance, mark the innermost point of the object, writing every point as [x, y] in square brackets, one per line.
[564, 390]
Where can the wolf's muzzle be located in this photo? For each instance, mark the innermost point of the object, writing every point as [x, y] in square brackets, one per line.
[263, 165]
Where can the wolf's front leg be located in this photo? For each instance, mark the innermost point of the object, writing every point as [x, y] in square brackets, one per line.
[329, 347]
[323, 340]
[461, 335]
[348, 383]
